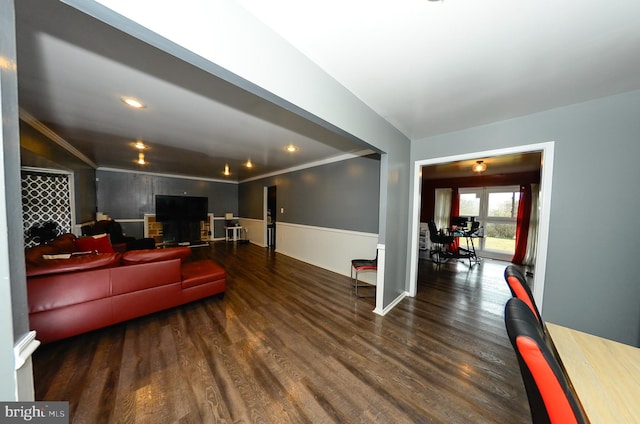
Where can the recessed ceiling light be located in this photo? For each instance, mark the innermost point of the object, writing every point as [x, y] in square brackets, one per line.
[226, 170]
[141, 160]
[291, 148]
[135, 103]
[248, 164]
[140, 145]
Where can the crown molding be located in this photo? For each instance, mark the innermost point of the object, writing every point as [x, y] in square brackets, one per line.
[51, 135]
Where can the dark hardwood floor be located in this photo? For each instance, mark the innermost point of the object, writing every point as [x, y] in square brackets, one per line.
[289, 343]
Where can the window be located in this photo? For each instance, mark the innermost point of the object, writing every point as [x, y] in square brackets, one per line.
[469, 204]
[46, 197]
[497, 210]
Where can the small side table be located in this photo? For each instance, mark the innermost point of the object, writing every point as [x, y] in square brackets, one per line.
[233, 233]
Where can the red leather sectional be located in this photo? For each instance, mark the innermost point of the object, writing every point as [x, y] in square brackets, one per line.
[80, 294]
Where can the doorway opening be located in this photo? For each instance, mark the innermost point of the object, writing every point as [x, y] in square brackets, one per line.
[546, 174]
[270, 213]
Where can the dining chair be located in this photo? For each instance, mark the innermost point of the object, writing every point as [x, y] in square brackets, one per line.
[358, 265]
[549, 392]
[441, 242]
[519, 288]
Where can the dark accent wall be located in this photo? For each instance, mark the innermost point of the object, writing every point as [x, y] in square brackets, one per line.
[342, 195]
[123, 195]
[38, 151]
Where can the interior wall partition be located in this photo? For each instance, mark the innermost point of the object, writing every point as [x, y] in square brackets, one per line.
[127, 197]
[341, 195]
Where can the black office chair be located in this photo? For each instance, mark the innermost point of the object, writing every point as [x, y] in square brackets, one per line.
[358, 265]
[475, 227]
[551, 398]
[520, 289]
[442, 243]
[118, 240]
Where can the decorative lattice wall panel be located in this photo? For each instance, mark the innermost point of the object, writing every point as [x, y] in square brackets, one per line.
[45, 197]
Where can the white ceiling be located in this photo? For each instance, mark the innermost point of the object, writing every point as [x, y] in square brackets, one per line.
[426, 67]
[433, 67]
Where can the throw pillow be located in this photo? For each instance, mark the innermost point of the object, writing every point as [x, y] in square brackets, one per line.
[99, 243]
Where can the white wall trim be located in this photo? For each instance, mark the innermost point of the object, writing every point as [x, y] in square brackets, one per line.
[381, 251]
[251, 219]
[335, 230]
[339, 158]
[24, 348]
[546, 179]
[159, 174]
[392, 305]
[51, 135]
[258, 177]
[22, 351]
[253, 230]
[329, 248]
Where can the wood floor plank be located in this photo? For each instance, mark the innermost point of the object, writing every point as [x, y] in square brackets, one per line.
[290, 343]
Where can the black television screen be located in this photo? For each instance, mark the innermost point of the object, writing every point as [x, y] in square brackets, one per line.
[181, 208]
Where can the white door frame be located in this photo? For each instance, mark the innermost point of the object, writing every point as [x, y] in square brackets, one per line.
[265, 231]
[546, 178]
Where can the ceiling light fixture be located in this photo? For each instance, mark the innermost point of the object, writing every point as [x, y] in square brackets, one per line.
[141, 160]
[140, 145]
[226, 170]
[291, 148]
[135, 103]
[249, 164]
[479, 166]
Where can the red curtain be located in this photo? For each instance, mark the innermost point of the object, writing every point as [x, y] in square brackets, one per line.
[522, 224]
[455, 211]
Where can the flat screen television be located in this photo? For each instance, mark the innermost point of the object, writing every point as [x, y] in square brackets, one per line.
[181, 208]
[459, 221]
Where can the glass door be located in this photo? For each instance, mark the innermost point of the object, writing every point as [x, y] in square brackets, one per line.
[497, 210]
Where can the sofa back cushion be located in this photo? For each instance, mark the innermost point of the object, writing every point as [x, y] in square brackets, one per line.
[133, 257]
[74, 264]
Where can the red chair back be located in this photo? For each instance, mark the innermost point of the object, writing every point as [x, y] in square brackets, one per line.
[519, 288]
[550, 395]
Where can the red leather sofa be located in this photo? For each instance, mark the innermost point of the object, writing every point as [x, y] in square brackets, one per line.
[81, 293]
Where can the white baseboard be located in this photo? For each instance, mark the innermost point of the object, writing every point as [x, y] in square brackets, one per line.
[22, 351]
[392, 305]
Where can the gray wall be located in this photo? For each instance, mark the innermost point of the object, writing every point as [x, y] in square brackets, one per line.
[14, 321]
[123, 195]
[342, 195]
[299, 85]
[592, 281]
